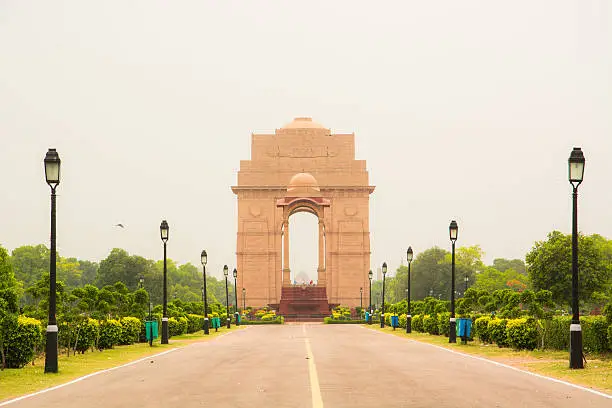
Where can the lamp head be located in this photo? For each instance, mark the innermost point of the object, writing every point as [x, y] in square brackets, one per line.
[409, 254]
[235, 273]
[203, 257]
[384, 268]
[453, 230]
[52, 168]
[370, 274]
[225, 270]
[576, 167]
[164, 230]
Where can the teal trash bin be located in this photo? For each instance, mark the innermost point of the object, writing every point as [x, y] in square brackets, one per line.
[367, 317]
[464, 329]
[151, 330]
[394, 322]
[216, 323]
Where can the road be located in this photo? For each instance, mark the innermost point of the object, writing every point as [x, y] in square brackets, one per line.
[313, 365]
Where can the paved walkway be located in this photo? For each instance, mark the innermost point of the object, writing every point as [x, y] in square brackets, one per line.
[310, 365]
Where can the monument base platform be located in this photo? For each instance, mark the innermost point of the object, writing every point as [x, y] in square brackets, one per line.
[303, 303]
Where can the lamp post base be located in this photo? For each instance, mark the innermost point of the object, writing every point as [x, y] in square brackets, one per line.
[206, 329]
[382, 320]
[164, 339]
[576, 346]
[51, 350]
[452, 334]
[228, 323]
[409, 324]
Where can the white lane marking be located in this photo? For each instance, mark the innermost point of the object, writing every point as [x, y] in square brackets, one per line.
[601, 394]
[103, 371]
[76, 380]
[315, 390]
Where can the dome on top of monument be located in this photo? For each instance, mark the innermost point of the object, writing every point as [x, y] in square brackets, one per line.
[303, 183]
[303, 123]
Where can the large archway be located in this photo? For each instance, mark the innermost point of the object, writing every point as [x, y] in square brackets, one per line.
[303, 166]
[304, 247]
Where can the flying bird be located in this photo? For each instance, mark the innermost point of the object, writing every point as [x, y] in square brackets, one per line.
[119, 225]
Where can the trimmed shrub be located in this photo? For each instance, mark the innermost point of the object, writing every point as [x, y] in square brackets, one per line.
[20, 343]
[402, 320]
[481, 329]
[87, 333]
[497, 331]
[130, 330]
[194, 323]
[417, 323]
[110, 334]
[177, 326]
[555, 333]
[430, 324]
[522, 333]
[594, 334]
[329, 320]
[281, 320]
[444, 323]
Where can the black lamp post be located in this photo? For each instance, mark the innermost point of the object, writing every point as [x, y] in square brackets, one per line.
[466, 279]
[382, 313]
[409, 256]
[225, 273]
[243, 299]
[141, 282]
[52, 175]
[235, 272]
[164, 230]
[452, 335]
[361, 298]
[204, 260]
[576, 174]
[370, 275]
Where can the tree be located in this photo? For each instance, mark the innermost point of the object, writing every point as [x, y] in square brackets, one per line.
[550, 266]
[8, 301]
[492, 279]
[430, 274]
[502, 264]
[30, 263]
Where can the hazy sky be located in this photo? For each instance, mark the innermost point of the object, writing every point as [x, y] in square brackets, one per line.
[462, 109]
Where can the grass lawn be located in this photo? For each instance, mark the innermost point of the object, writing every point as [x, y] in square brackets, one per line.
[31, 378]
[597, 373]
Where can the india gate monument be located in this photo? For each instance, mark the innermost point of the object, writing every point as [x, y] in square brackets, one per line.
[303, 167]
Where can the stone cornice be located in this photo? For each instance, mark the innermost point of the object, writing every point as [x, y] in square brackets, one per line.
[236, 189]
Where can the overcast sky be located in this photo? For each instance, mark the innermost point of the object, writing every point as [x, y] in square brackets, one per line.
[462, 109]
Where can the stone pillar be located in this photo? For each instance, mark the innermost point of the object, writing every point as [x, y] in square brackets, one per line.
[321, 269]
[286, 270]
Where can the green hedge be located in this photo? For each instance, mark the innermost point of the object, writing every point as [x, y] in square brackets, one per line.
[278, 320]
[110, 334]
[194, 323]
[21, 342]
[430, 324]
[177, 326]
[417, 323]
[594, 334]
[481, 329]
[130, 330]
[555, 333]
[444, 323]
[87, 334]
[329, 320]
[497, 331]
[522, 333]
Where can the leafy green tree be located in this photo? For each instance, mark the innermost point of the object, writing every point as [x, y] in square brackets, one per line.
[502, 264]
[430, 274]
[492, 279]
[550, 266]
[8, 301]
[30, 263]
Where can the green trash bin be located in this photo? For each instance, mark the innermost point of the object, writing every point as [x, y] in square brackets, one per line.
[216, 323]
[151, 330]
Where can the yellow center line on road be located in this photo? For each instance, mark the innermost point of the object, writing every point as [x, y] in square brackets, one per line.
[317, 400]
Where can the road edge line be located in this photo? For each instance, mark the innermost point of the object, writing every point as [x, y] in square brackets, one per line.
[78, 379]
[580, 387]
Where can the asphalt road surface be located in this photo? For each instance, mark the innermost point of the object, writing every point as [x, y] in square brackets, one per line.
[313, 365]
